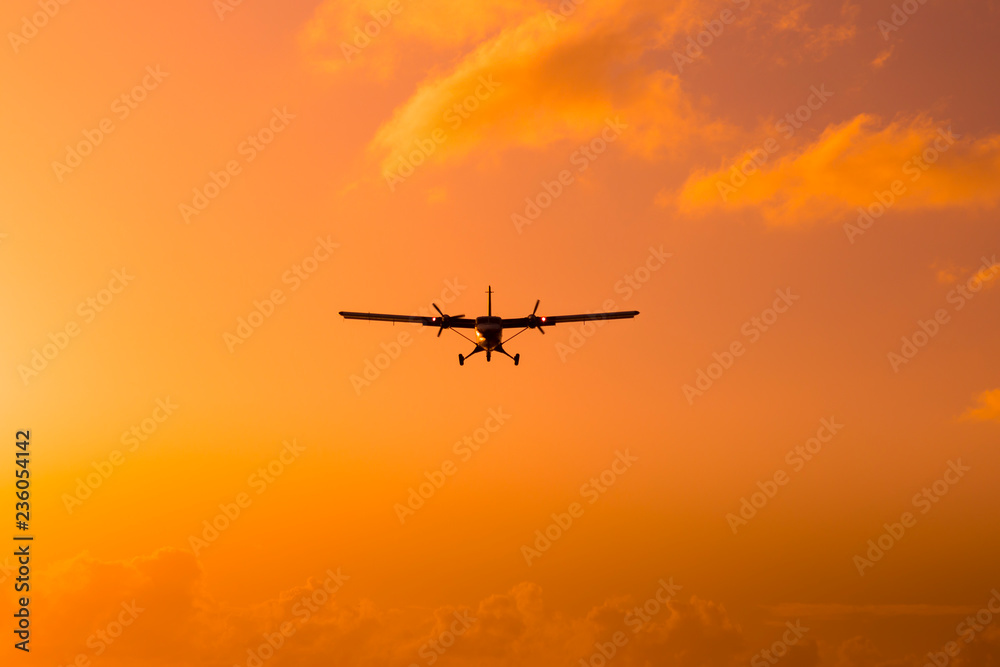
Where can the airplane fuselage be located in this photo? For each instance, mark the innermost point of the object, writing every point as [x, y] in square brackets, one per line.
[489, 332]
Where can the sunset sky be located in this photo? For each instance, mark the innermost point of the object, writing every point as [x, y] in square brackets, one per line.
[789, 457]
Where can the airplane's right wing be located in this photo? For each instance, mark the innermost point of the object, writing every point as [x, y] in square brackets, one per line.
[533, 321]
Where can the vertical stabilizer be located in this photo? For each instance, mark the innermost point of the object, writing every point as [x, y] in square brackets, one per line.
[489, 301]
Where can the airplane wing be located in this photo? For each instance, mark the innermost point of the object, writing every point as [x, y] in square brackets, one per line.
[452, 322]
[533, 321]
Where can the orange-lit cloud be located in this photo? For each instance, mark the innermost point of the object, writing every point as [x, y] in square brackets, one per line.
[904, 165]
[816, 42]
[862, 652]
[541, 82]
[948, 273]
[883, 57]
[987, 407]
[167, 617]
[559, 72]
[983, 650]
[840, 611]
[986, 275]
[374, 35]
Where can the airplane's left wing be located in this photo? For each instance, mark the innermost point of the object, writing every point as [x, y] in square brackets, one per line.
[451, 322]
[535, 321]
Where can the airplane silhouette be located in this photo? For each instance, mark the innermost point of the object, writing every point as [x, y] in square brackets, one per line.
[489, 329]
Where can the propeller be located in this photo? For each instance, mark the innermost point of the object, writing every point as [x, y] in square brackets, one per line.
[535, 322]
[445, 319]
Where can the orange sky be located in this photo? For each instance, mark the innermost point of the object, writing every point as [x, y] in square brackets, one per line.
[800, 198]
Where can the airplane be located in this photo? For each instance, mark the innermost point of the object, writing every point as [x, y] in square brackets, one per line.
[488, 328]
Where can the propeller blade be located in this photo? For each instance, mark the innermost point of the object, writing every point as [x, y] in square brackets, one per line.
[534, 321]
[438, 309]
[441, 329]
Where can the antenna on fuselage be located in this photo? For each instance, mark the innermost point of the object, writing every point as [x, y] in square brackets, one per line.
[489, 301]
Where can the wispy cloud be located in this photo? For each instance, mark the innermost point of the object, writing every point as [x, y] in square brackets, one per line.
[850, 164]
[987, 407]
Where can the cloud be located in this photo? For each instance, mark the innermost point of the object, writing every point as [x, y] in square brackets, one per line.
[851, 165]
[841, 611]
[987, 407]
[696, 632]
[858, 652]
[148, 607]
[794, 19]
[986, 275]
[562, 69]
[984, 649]
[367, 35]
[883, 57]
[948, 273]
[173, 620]
[179, 623]
[548, 80]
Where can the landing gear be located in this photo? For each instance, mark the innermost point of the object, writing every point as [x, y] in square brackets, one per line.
[461, 359]
[489, 355]
[516, 358]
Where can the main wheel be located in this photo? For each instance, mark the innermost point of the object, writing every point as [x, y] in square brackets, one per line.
[517, 358]
[461, 360]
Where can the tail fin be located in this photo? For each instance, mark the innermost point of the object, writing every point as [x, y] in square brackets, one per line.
[489, 302]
